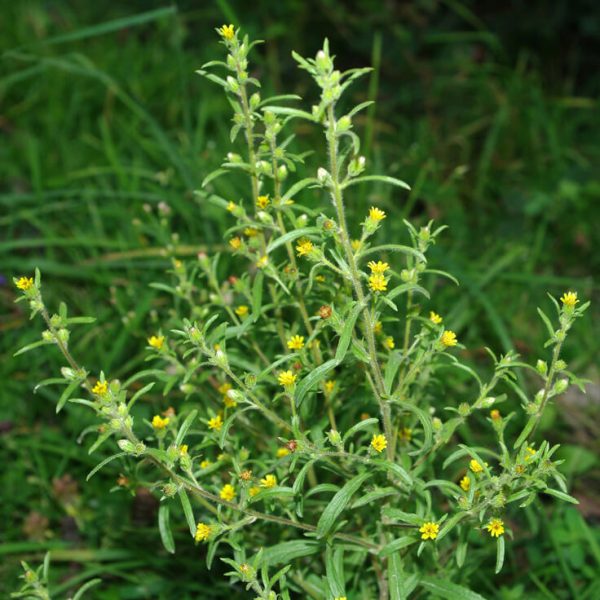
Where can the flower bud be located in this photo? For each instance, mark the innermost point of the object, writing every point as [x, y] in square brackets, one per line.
[169, 489]
[254, 100]
[560, 386]
[301, 221]
[282, 172]
[560, 365]
[232, 85]
[343, 124]
[464, 410]
[322, 175]
[126, 446]
[47, 336]
[334, 437]
[541, 367]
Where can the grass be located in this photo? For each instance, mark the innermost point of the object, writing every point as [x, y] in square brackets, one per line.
[105, 120]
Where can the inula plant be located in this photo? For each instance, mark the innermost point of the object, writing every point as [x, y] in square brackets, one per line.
[305, 430]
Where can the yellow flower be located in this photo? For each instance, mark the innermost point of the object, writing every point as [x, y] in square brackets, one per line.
[261, 263]
[241, 310]
[449, 338]
[203, 532]
[435, 318]
[268, 481]
[495, 414]
[465, 483]
[389, 343]
[253, 491]
[156, 341]
[569, 299]
[159, 423]
[529, 453]
[405, 434]
[231, 206]
[281, 452]
[377, 282]
[227, 492]
[229, 402]
[304, 247]
[286, 378]
[215, 423]
[227, 32]
[340, 598]
[329, 386]
[24, 283]
[429, 530]
[495, 527]
[262, 201]
[378, 327]
[224, 387]
[205, 463]
[296, 342]
[379, 443]
[378, 267]
[356, 245]
[183, 450]
[100, 388]
[376, 214]
[475, 466]
[320, 278]
[235, 243]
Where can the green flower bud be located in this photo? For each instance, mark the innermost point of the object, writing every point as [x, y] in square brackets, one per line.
[343, 124]
[560, 386]
[254, 100]
[126, 446]
[334, 437]
[169, 489]
[464, 410]
[541, 367]
[560, 365]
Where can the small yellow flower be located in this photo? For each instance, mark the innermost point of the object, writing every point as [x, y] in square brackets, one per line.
[281, 452]
[241, 310]
[231, 206]
[429, 530]
[227, 32]
[340, 598]
[495, 414]
[304, 247]
[320, 278]
[253, 491]
[215, 423]
[183, 450]
[203, 532]
[205, 463]
[156, 341]
[465, 483]
[379, 443]
[475, 466]
[100, 388]
[389, 343]
[159, 422]
[286, 378]
[449, 338]
[378, 327]
[376, 214]
[229, 402]
[529, 453]
[24, 283]
[405, 434]
[378, 267]
[250, 232]
[235, 242]
[262, 262]
[296, 342]
[495, 527]
[356, 245]
[329, 386]
[569, 299]
[268, 481]
[227, 492]
[224, 387]
[435, 318]
[262, 201]
[377, 282]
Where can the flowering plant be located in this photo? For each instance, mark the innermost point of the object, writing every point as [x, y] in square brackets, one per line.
[316, 445]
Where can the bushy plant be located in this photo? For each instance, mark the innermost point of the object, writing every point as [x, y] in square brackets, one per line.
[307, 431]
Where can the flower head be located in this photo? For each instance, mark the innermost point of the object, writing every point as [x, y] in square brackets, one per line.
[495, 414]
[495, 527]
[356, 245]
[378, 267]
[377, 282]
[282, 452]
[569, 299]
[465, 483]
[529, 453]
[205, 463]
[203, 532]
[429, 530]
[435, 318]
[379, 443]
[100, 388]
[227, 32]
[231, 206]
[378, 327]
[262, 262]
[405, 434]
[475, 466]
[24, 283]
[241, 310]
[448, 338]
[227, 492]
[235, 242]
[215, 423]
[376, 214]
[253, 491]
[262, 201]
[156, 341]
[389, 343]
[329, 386]
[183, 450]
[304, 247]
[286, 378]
[250, 232]
[159, 422]
[268, 481]
[296, 342]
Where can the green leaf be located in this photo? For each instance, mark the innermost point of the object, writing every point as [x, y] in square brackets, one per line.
[290, 236]
[560, 495]
[448, 590]
[405, 288]
[257, 295]
[396, 469]
[85, 587]
[312, 379]
[526, 431]
[290, 112]
[288, 551]
[393, 248]
[164, 527]
[547, 322]
[229, 422]
[338, 503]
[360, 426]
[450, 524]
[382, 178]
[334, 568]
[300, 185]
[395, 576]
[391, 368]
[346, 337]
[499, 553]
[187, 511]
[31, 347]
[185, 427]
[67, 394]
[140, 393]
[424, 419]
[103, 463]
[399, 515]
[397, 544]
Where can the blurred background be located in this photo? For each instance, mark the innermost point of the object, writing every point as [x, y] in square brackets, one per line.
[488, 110]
